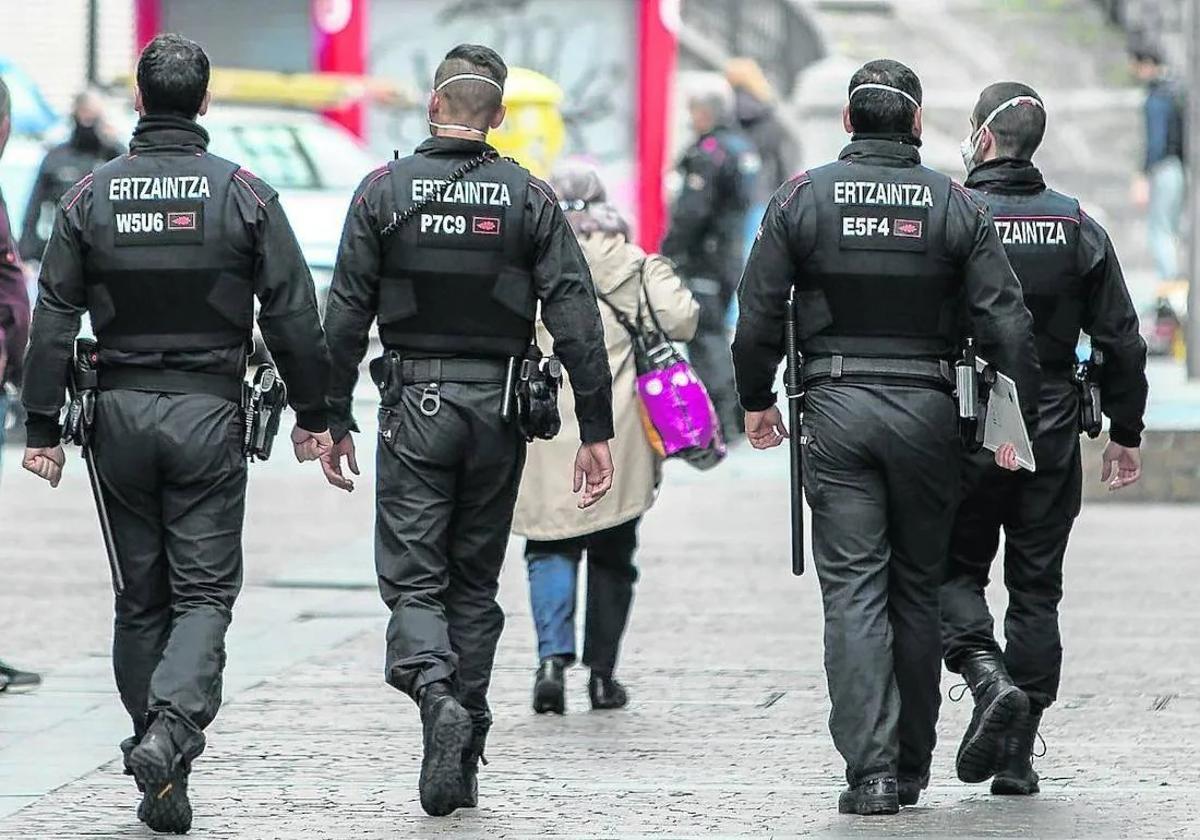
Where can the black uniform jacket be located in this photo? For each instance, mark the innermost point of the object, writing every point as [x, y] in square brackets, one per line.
[995, 311]
[561, 280]
[708, 219]
[1107, 314]
[63, 166]
[288, 315]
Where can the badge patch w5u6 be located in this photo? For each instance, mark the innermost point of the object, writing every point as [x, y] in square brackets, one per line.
[158, 222]
[884, 228]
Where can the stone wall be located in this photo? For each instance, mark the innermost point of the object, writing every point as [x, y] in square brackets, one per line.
[1170, 469]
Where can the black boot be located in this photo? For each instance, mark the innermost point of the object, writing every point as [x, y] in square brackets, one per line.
[1016, 776]
[998, 705]
[606, 692]
[908, 788]
[161, 773]
[447, 737]
[13, 680]
[470, 768]
[550, 687]
[876, 796]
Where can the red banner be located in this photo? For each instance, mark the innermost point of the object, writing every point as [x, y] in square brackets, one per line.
[339, 46]
[148, 21]
[658, 21]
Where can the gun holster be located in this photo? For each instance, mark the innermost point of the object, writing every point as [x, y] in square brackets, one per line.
[263, 403]
[387, 372]
[81, 413]
[972, 389]
[1087, 380]
[538, 379]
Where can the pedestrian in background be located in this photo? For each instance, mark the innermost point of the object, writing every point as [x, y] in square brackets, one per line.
[1161, 186]
[14, 333]
[14, 300]
[756, 110]
[630, 282]
[706, 236]
[91, 143]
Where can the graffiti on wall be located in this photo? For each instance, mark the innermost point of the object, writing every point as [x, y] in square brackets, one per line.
[587, 46]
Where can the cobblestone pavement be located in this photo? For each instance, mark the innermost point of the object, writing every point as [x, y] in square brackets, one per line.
[726, 734]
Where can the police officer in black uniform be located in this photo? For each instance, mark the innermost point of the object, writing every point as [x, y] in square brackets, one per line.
[706, 238]
[166, 248]
[884, 257]
[1072, 281]
[451, 249]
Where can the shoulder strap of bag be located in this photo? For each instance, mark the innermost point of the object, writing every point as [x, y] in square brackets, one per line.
[661, 334]
[637, 335]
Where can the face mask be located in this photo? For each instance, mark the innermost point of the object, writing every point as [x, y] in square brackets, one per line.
[463, 77]
[969, 147]
[86, 137]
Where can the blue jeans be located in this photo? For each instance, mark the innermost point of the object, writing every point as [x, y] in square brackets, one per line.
[553, 578]
[1167, 189]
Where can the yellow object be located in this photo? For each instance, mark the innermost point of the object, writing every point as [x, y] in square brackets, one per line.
[533, 131]
[310, 91]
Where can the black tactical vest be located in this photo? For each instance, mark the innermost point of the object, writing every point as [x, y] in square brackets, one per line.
[879, 281]
[456, 275]
[169, 264]
[1040, 232]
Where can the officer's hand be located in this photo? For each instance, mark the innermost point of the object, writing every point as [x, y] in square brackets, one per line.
[45, 462]
[593, 472]
[1122, 465]
[1006, 458]
[331, 463]
[310, 446]
[765, 429]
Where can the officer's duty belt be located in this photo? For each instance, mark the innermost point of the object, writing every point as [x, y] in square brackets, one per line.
[432, 371]
[167, 381]
[927, 372]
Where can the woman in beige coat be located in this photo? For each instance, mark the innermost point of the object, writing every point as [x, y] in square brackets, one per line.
[558, 533]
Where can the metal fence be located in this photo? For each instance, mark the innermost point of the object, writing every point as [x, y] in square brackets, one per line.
[776, 33]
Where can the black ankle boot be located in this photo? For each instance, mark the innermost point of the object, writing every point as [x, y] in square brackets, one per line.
[470, 768]
[161, 773]
[606, 693]
[447, 737]
[550, 687]
[998, 705]
[1016, 776]
[877, 796]
[908, 788]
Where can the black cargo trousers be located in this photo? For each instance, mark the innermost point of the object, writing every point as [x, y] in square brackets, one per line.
[174, 480]
[1036, 511]
[446, 490]
[881, 473]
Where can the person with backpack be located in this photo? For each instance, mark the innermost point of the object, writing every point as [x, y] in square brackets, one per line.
[637, 291]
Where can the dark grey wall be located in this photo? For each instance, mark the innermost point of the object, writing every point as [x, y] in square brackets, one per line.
[258, 34]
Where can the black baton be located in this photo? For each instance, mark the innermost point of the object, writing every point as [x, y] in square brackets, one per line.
[795, 396]
[110, 546]
[82, 387]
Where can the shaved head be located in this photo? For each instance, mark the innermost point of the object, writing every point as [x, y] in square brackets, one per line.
[470, 101]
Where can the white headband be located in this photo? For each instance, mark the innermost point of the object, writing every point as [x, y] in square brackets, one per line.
[470, 77]
[1024, 99]
[873, 86]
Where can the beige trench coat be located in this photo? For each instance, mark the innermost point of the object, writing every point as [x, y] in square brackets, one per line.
[546, 508]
